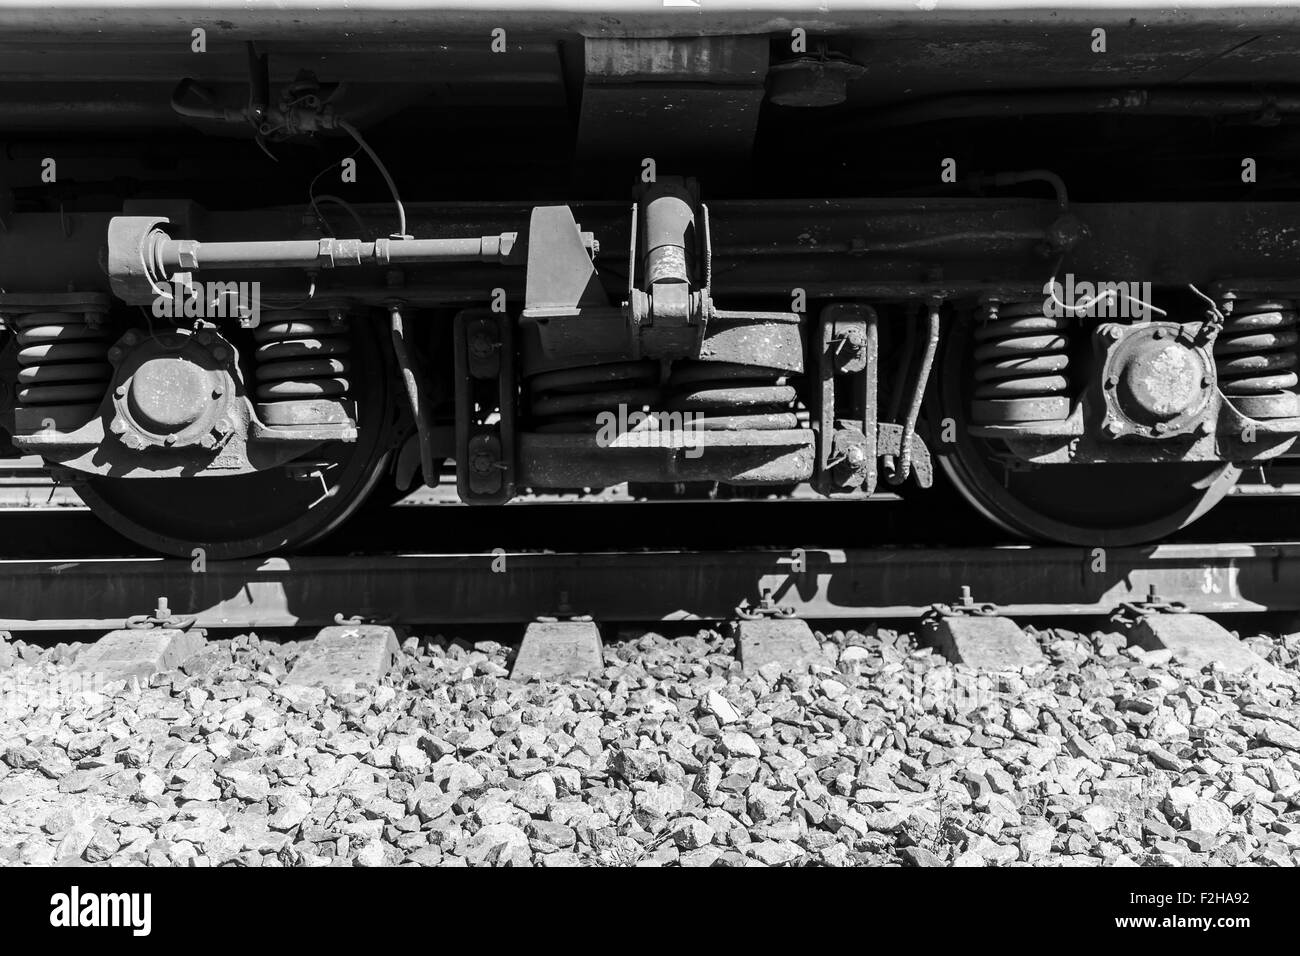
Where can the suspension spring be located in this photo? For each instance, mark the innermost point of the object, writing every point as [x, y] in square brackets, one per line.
[731, 397]
[301, 366]
[570, 400]
[1255, 356]
[1021, 364]
[63, 369]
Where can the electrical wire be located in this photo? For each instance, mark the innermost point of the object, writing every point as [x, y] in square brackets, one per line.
[384, 171]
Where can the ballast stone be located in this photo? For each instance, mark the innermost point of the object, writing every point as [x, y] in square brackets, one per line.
[786, 642]
[985, 643]
[139, 652]
[554, 650]
[346, 654]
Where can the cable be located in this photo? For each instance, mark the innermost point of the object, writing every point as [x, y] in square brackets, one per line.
[383, 171]
[347, 206]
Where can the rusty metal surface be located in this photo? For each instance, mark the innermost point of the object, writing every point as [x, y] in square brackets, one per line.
[873, 248]
[668, 585]
[603, 17]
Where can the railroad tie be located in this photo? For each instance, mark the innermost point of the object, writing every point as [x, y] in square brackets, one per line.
[139, 652]
[1199, 642]
[347, 654]
[555, 650]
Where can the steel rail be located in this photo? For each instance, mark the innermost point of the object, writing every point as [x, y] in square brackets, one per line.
[429, 589]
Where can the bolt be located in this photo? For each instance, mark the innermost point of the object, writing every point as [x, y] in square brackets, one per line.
[1206, 381]
[118, 426]
[482, 345]
[1157, 333]
[114, 354]
[120, 391]
[220, 352]
[207, 441]
[169, 440]
[1113, 427]
[1112, 381]
[1161, 428]
[218, 391]
[130, 338]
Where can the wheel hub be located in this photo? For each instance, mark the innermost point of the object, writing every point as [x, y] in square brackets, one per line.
[1157, 383]
[168, 395]
[172, 390]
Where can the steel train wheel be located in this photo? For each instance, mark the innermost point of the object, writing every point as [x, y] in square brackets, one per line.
[1090, 505]
[246, 515]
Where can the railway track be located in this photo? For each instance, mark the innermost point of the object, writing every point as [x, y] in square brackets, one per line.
[651, 585]
[429, 561]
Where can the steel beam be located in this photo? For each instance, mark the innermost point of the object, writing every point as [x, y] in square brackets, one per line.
[645, 586]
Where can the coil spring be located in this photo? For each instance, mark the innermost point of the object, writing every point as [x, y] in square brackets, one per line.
[302, 356]
[1255, 356]
[731, 397]
[1021, 360]
[63, 366]
[569, 400]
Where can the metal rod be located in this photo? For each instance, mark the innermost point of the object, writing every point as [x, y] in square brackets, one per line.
[191, 255]
[415, 395]
[918, 394]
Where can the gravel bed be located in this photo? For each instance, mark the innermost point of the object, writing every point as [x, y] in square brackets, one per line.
[672, 756]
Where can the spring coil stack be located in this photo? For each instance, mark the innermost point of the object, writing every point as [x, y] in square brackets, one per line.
[63, 368]
[715, 395]
[1255, 357]
[731, 397]
[570, 400]
[1021, 365]
[301, 367]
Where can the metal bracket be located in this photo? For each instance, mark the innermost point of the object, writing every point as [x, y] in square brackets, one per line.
[485, 383]
[161, 617]
[965, 606]
[766, 609]
[1131, 613]
[847, 439]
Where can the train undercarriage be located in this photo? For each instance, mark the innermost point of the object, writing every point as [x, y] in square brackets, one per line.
[945, 294]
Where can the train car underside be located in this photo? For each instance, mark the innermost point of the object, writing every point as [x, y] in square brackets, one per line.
[1085, 362]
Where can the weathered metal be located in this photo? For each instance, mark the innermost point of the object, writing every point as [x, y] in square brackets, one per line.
[1127, 441]
[1089, 489]
[640, 586]
[486, 469]
[1157, 380]
[848, 358]
[143, 258]
[869, 249]
[744, 457]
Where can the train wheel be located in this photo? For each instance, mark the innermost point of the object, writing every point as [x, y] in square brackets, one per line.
[263, 512]
[1091, 505]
